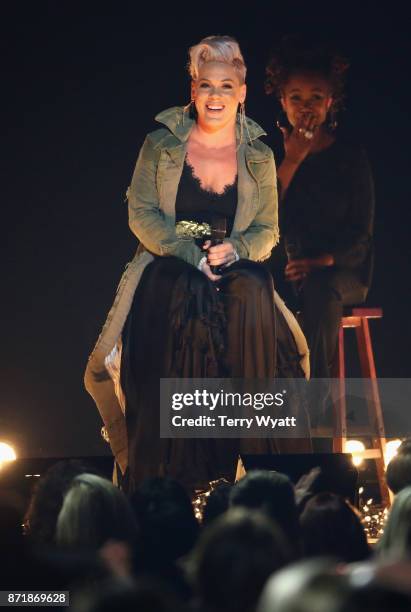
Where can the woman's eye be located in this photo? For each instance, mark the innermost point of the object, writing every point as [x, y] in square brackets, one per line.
[204, 85]
[227, 86]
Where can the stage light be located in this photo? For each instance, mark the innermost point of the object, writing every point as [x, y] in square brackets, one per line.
[355, 447]
[391, 449]
[7, 453]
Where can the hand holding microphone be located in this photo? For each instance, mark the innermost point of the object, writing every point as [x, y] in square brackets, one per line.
[220, 254]
[218, 232]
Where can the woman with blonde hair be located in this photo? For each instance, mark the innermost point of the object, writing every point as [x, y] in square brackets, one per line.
[188, 305]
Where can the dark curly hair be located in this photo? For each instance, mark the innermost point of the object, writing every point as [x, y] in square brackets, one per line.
[295, 54]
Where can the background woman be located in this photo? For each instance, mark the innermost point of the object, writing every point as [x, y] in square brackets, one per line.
[327, 196]
[205, 168]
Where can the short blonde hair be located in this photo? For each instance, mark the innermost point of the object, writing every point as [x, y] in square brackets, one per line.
[217, 49]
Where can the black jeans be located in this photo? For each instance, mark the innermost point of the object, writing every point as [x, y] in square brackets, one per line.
[321, 300]
[322, 297]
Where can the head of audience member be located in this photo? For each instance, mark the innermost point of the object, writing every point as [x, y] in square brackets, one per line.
[168, 527]
[398, 474]
[395, 543]
[394, 574]
[273, 494]
[234, 557]
[332, 527]
[217, 502]
[94, 512]
[316, 585]
[38, 568]
[45, 504]
[306, 586]
[404, 447]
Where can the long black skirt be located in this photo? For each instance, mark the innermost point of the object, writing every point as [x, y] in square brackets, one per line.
[180, 325]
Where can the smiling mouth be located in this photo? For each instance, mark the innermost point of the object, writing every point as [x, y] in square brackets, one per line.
[215, 108]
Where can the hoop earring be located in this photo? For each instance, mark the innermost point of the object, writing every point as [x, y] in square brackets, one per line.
[190, 108]
[243, 123]
[282, 120]
[332, 122]
[242, 120]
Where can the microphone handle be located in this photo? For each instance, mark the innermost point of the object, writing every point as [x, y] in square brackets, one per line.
[216, 269]
[217, 237]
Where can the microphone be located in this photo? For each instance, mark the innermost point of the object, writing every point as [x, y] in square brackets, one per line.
[218, 232]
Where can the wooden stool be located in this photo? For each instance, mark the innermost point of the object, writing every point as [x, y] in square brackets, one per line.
[358, 318]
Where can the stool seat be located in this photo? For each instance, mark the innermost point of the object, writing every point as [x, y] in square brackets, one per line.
[368, 313]
[354, 316]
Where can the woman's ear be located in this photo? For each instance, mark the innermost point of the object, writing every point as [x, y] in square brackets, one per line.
[193, 90]
[282, 103]
[329, 103]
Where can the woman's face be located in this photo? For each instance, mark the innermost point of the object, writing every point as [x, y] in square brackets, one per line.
[217, 93]
[306, 94]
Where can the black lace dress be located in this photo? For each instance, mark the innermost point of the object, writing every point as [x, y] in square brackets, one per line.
[179, 325]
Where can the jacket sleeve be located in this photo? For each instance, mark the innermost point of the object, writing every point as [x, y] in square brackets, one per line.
[257, 241]
[146, 220]
[355, 238]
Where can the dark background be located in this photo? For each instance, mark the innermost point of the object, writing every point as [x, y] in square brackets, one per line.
[81, 85]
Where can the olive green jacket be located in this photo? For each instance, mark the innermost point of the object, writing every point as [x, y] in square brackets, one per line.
[153, 190]
[151, 200]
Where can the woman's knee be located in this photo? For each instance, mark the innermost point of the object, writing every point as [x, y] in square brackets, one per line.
[248, 276]
[95, 371]
[167, 266]
[319, 287]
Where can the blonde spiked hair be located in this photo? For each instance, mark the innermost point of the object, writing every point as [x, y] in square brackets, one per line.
[217, 49]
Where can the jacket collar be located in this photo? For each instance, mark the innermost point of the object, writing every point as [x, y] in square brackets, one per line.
[180, 124]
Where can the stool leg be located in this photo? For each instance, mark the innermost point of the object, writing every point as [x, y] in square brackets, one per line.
[373, 403]
[338, 392]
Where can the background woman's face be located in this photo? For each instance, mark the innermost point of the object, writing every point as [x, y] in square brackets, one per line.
[306, 94]
[217, 93]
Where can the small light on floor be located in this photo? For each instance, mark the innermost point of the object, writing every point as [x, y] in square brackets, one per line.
[391, 449]
[354, 447]
[7, 453]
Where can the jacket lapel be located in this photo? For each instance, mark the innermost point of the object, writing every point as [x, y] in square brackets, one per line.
[250, 164]
[169, 172]
[247, 193]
